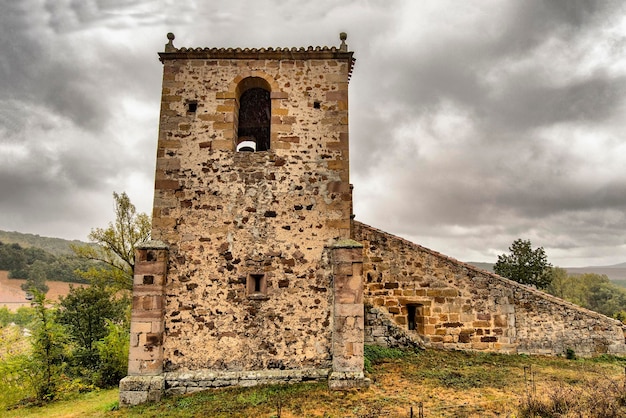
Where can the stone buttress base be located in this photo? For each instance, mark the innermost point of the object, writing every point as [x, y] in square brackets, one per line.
[135, 390]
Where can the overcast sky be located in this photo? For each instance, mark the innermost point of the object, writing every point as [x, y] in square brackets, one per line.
[472, 123]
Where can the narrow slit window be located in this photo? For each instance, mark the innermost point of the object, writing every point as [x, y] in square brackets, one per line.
[415, 317]
[411, 309]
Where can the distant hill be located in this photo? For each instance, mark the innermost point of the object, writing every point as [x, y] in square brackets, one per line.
[484, 266]
[616, 273]
[56, 246]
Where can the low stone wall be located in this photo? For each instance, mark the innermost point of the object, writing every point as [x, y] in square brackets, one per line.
[186, 382]
[454, 305]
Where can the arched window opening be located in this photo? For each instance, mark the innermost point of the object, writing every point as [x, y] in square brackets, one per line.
[253, 130]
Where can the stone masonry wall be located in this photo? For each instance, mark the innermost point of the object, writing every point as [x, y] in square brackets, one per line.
[231, 217]
[459, 306]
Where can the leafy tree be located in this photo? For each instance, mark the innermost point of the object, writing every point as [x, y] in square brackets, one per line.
[525, 265]
[23, 317]
[603, 296]
[12, 258]
[113, 352]
[559, 284]
[36, 278]
[47, 359]
[589, 290]
[85, 312]
[116, 245]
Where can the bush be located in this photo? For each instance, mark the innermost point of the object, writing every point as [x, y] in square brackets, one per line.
[47, 360]
[113, 353]
[87, 314]
[14, 352]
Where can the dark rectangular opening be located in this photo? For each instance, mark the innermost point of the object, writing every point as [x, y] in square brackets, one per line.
[256, 286]
[416, 317]
[411, 309]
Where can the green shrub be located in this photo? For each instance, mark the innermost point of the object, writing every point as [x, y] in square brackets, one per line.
[113, 353]
[14, 384]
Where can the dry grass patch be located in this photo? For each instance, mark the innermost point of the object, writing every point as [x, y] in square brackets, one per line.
[446, 384]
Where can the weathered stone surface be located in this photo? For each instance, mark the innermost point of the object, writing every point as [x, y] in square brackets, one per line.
[234, 216]
[135, 390]
[247, 284]
[186, 382]
[347, 380]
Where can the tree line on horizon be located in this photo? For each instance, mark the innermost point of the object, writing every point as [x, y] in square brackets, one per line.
[37, 266]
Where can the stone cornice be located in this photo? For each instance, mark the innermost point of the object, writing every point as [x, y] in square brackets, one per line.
[294, 53]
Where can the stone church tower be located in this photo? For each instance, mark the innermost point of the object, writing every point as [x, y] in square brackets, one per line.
[252, 276]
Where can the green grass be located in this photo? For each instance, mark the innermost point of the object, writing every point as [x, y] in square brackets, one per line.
[92, 404]
[375, 355]
[447, 384]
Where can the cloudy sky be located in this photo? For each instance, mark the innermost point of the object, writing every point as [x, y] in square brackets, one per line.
[473, 123]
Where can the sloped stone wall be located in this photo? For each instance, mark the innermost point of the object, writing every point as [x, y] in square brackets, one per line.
[459, 306]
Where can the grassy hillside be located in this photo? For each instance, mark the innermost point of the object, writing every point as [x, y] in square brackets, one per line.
[445, 384]
[56, 246]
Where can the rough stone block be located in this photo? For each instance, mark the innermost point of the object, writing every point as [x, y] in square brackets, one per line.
[135, 390]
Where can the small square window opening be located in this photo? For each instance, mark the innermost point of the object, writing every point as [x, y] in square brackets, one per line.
[256, 286]
[192, 107]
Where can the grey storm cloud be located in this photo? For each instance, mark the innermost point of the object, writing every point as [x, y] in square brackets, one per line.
[505, 178]
[471, 123]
